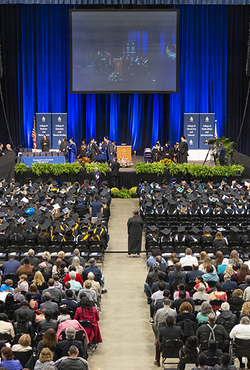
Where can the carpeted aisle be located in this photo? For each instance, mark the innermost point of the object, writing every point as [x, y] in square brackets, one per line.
[128, 341]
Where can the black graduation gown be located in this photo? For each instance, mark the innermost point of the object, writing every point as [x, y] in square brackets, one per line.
[45, 144]
[135, 227]
[183, 152]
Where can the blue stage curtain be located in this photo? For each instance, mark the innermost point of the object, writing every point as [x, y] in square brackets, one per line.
[35, 44]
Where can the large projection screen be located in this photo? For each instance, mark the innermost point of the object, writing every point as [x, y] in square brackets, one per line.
[124, 51]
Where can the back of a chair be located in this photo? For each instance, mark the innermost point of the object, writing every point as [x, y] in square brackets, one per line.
[5, 337]
[212, 361]
[26, 358]
[228, 326]
[242, 347]
[86, 324]
[171, 348]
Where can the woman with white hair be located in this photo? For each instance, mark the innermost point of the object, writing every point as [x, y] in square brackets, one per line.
[73, 283]
[242, 331]
[200, 294]
[76, 263]
[226, 315]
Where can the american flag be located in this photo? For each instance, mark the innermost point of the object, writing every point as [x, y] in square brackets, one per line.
[34, 134]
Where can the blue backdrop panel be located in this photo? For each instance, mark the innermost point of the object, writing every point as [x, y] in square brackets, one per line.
[43, 127]
[28, 161]
[191, 129]
[59, 128]
[206, 128]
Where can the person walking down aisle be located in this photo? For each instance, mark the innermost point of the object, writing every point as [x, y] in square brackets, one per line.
[135, 227]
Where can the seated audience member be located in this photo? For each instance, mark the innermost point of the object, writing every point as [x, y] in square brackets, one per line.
[10, 266]
[200, 294]
[94, 284]
[226, 315]
[188, 260]
[36, 296]
[205, 310]
[151, 278]
[49, 341]
[218, 260]
[245, 310]
[159, 303]
[73, 361]
[57, 266]
[244, 271]
[69, 300]
[8, 361]
[181, 288]
[43, 268]
[73, 283]
[182, 298]
[217, 294]
[24, 344]
[219, 242]
[78, 276]
[225, 363]
[32, 259]
[57, 284]
[177, 273]
[213, 353]
[45, 358]
[202, 358]
[47, 259]
[161, 277]
[210, 275]
[24, 307]
[39, 281]
[26, 268]
[62, 272]
[234, 259]
[151, 259]
[33, 304]
[74, 324]
[23, 283]
[41, 316]
[76, 263]
[159, 293]
[90, 293]
[61, 255]
[221, 336]
[242, 331]
[191, 275]
[236, 300]
[162, 314]
[203, 255]
[55, 293]
[228, 284]
[23, 325]
[76, 253]
[18, 297]
[64, 314]
[246, 294]
[186, 320]
[7, 286]
[230, 271]
[87, 312]
[199, 281]
[64, 345]
[48, 323]
[5, 325]
[168, 332]
[49, 305]
[189, 352]
[207, 262]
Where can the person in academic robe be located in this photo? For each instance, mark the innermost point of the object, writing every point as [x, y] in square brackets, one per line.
[63, 147]
[71, 151]
[45, 144]
[135, 227]
[183, 150]
[83, 150]
[92, 150]
[1, 150]
[168, 151]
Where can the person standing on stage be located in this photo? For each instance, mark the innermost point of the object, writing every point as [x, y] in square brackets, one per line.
[63, 147]
[8, 149]
[45, 144]
[115, 166]
[222, 154]
[1, 150]
[135, 227]
[183, 150]
[83, 150]
[106, 149]
[92, 150]
[168, 151]
[71, 151]
[176, 152]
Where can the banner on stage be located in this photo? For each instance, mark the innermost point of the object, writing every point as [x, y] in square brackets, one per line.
[59, 129]
[191, 129]
[206, 128]
[43, 127]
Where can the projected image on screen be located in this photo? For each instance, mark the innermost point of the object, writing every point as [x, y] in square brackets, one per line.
[124, 51]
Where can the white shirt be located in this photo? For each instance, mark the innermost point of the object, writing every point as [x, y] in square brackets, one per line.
[157, 295]
[240, 331]
[188, 260]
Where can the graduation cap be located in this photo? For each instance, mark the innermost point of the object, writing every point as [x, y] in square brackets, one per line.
[192, 197]
[153, 228]
[165, 231]
[2, 214]
[207, 229]
[184, 203]
[15, 230]
[75, 216]
[99, 223]
[4, 184]
[44, 203]
[44, 226]
[20, 204]
[104, 200]
[228, 201]
[11, 214]
[68, 230]
[4, 226]
[57, 229]
[85, 221]
[234, 229]
[195, 230]
[8, 191]
[181, 229]
[172, 202]
[100, 215]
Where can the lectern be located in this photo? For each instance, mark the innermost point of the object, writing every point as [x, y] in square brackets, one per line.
[124, 151]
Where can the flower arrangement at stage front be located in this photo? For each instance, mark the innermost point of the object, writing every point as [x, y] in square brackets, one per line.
[125, 162]
[84, 160]
[166, 161]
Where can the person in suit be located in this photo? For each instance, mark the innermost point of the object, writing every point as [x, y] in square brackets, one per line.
[222, 154]
[191, 275]
[24, 307]
[48, 304]
[33, 260]
[64, 345]
[45, 144]
[11, 266]
[168, 332]
[92, 150]
[228, 284]
[115, 166]
[48, 323]
[55, 293]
